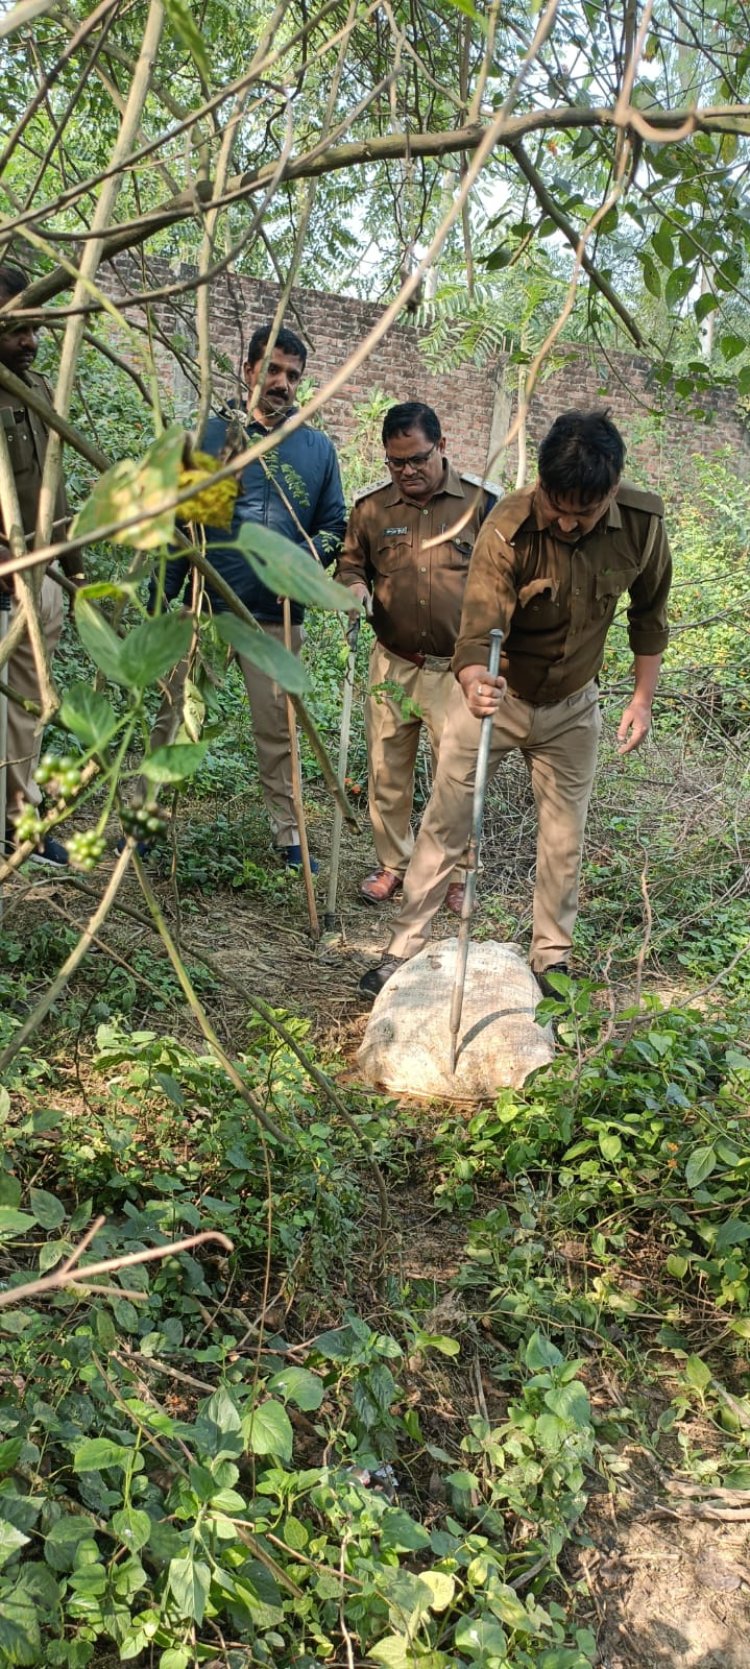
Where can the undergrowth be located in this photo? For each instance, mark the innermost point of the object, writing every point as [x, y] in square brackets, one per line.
[240, 1458]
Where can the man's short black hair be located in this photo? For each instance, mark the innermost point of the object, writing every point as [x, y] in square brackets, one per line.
[581, 456]
[413, 414]
[286, 340]
[12, 280]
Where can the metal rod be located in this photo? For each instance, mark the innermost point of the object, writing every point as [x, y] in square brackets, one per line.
[472, 856]
[352, 638]
[5, 600]
[299, 810]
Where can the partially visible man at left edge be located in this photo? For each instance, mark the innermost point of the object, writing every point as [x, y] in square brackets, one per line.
[26, 436]
[296, 490]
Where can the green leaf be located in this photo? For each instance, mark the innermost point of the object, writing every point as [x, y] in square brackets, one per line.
[96, 1453]
[189, 1580]
[52, 1253]
[264, 651]
[268, 1431]
[571, 1403]
[88, 715]
[499, 257]
[731, 1233]
[132, 1526]
[541, 1353]
[610, 1144]
[151, 650]
[442, 1588]
[218, 1421]
[392, 1651]
[704, 305]
[651, 276]
[677, 1265]
[105, 1329]
[64, 1539]
[48, 1211]
[289, 571]
[132, 487]
[184, 25]
[476, 1635]
[98, 639]
[700, 1165]
[732, 345]
[678, 284]
[662, 243]
[402, 1533]
[11, 1540]
[14, 1222]
[175, 762]
[11, 1450]
[306, 1390]
[697, 1373]
[31, 1599]
[176, 1657]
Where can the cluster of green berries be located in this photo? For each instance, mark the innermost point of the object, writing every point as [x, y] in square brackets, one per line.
[85, 849]
[61, 772]
[29, 826]
[143, 820]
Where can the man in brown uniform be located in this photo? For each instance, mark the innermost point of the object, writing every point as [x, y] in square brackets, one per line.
[549, 567]
[406, 555]
[26, 436]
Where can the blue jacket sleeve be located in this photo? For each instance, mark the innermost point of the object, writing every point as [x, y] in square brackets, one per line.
[329, 521]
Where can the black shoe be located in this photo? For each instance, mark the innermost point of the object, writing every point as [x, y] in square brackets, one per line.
[49, 851]
[143, 848]
[546, 988]
[373, 981]
[291, 857]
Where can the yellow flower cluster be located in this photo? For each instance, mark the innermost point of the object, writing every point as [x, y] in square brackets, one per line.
[213, 506]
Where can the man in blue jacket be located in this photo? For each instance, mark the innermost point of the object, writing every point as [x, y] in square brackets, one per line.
[296, 490]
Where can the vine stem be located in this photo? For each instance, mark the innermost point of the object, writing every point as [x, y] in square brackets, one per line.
[27, 588]
[271, 1019]
[91, 257]
[71, 962]
[196, 1006]
[70, 1275]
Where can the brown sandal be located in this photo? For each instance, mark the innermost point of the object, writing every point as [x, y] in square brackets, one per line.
[379, 887]
[454, 898]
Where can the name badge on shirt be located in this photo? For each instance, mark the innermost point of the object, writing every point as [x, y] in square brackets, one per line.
[391, 532]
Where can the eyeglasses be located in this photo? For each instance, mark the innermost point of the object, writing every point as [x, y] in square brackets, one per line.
[414, 462]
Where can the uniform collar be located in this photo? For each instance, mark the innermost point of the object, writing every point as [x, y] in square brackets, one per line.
[451, 484]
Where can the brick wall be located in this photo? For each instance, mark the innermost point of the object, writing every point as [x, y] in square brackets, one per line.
[470, 402]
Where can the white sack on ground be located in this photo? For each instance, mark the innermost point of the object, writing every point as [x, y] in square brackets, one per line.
[406, 1046]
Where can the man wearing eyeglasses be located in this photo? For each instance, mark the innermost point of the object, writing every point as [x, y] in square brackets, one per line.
[406, 556]
[549, 568]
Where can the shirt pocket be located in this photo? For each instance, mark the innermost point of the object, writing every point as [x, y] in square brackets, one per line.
[20, 442]
[393, 551]
[609, 586]
[458, 553]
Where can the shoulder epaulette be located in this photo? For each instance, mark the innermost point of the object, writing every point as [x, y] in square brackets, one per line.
[478, 481]
[511, 513]
[367, 492]
[638, 498]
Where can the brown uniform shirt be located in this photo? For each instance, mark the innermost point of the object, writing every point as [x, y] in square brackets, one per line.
[555, 602]
[417, 594]
[27, 444]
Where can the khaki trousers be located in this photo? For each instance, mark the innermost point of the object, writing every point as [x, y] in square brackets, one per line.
[270, 729]
[559, 745]
[24, 738]
[393, 729]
